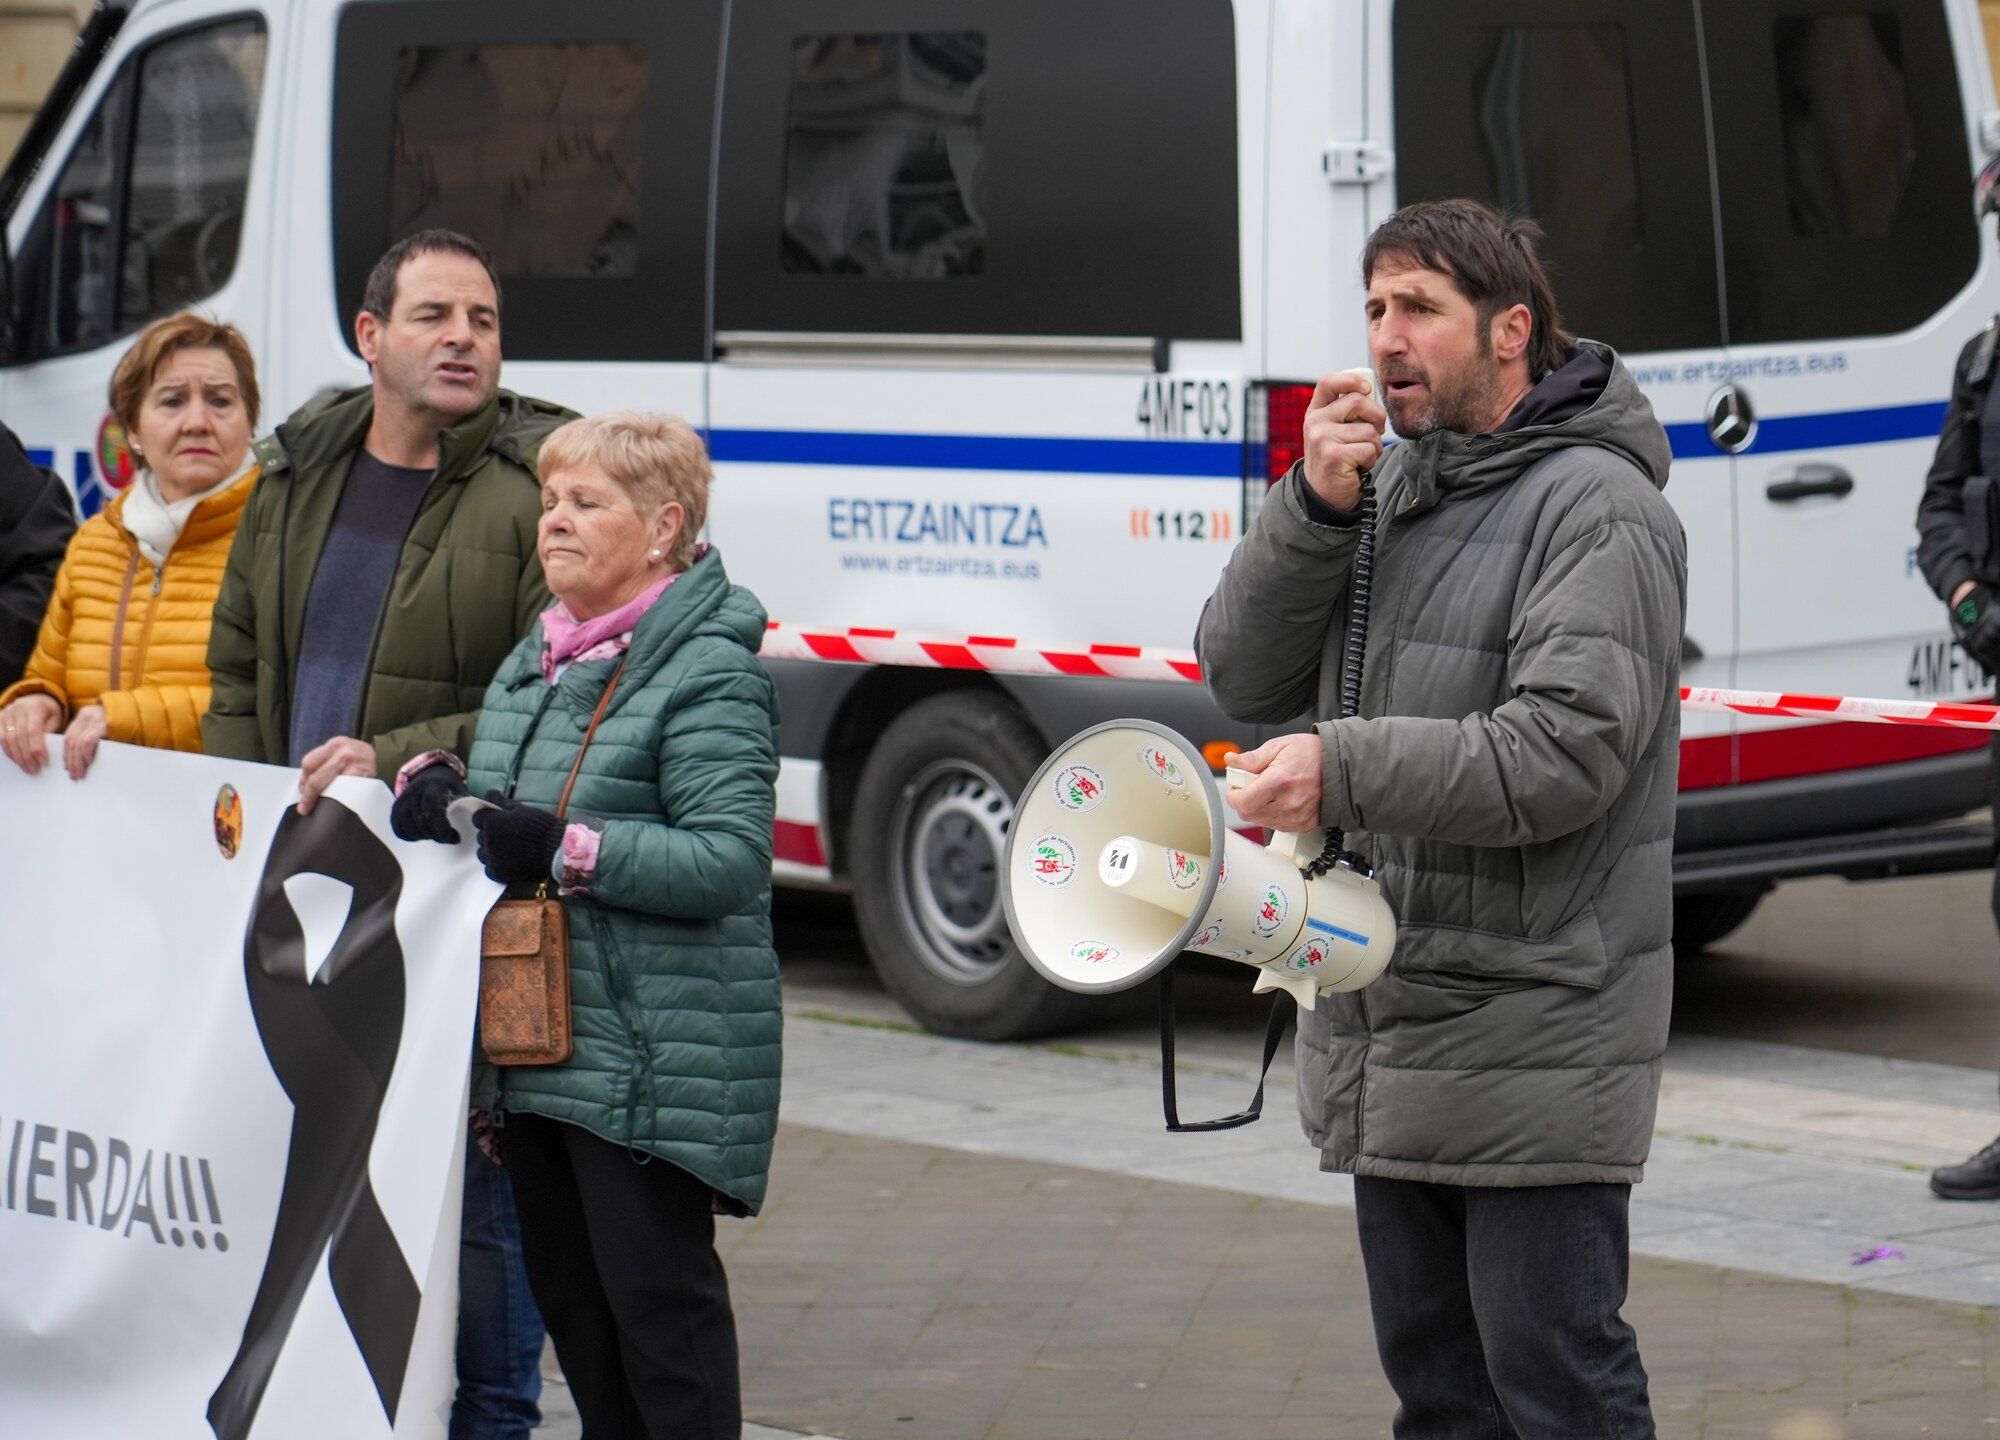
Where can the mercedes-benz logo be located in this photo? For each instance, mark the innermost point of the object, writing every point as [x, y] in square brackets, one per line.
[1732, 424]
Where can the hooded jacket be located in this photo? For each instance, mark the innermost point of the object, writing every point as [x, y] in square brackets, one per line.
[673, 978]
[467, 586]
[1511, 776]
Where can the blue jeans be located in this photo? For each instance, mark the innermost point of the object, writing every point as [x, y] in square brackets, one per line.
[499, 1329]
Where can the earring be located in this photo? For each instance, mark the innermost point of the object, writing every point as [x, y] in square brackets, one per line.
[656, 554]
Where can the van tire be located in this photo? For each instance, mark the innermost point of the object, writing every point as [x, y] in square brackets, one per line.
[927, 841]
[1701, 920]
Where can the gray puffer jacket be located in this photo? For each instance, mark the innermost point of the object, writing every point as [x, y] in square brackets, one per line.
[1511, 776]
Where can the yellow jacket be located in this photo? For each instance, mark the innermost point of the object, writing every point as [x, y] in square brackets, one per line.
[133, 639]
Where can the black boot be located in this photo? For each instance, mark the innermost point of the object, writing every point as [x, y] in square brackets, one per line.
[1974, 1179]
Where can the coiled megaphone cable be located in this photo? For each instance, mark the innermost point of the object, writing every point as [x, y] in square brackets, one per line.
[1354, 653]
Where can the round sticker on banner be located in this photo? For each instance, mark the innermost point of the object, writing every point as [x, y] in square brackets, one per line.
[114, 453]
[1164, 766]
[1183, 869]
[1079, 788]
[1310, 955]
[1093, 952]
[228, 821]
[1054, 860]
[1209, 935]
[1271, 912]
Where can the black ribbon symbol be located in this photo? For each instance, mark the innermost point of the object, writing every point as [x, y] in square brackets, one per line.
[332, 1041]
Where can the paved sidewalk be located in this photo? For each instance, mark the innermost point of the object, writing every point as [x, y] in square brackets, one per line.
[1000, 1242]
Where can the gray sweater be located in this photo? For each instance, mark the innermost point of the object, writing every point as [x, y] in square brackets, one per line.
[1512, 777]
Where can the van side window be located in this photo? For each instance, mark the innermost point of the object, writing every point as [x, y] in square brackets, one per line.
[146, 213]
[1585, 116]
[1060, 170]
[882, 150]
[1841, 163]
[573, 141]
[1847, 134]
[533, 148]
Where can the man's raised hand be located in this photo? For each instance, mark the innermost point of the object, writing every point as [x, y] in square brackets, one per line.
[1343, 436]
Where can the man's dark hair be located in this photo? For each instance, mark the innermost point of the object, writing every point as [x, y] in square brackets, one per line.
[379, 298]
[1494, 260]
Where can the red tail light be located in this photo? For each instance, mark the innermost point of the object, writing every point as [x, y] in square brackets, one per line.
[1274, 439]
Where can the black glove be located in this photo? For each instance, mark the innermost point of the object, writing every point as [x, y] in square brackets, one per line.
[517, 843]
[1975, 622]
[418, 813]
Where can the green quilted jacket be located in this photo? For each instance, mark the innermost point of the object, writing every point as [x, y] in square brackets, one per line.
[673, 978]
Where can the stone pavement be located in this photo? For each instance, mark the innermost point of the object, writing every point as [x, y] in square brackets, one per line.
[966, 1240]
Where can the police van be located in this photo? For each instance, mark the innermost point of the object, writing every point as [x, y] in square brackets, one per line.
[1000, 315]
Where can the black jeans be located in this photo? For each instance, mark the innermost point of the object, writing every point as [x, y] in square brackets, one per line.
[622, 1260]
[1496, 1310]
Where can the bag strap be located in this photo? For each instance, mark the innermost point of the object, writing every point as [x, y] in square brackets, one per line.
[603, 704]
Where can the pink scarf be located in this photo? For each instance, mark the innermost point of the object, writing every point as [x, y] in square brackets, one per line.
[566, 639]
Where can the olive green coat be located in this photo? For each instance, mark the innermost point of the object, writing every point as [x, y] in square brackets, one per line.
[468, 585]
[673, 978]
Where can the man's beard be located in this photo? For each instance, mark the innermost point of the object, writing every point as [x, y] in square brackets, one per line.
[1463, 403]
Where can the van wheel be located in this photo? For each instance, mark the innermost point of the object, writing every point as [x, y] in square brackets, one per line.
[928, 835]
[1701, 920]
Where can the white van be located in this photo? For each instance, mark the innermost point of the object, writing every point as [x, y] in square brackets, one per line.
[995, 314]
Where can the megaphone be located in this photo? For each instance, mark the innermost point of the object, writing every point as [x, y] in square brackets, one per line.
[1121, 857]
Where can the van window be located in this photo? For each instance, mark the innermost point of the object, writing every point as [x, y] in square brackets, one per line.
[1841, 164]
[572, 141]
[1048, 169]
[882, 150]
[1584, 115]
[533, 148]
[146, 213]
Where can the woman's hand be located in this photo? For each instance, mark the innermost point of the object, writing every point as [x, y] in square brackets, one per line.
[80, 740]
[517, 843]
[24, 726]
[419, 812]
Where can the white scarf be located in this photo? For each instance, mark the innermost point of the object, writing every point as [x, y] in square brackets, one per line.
[154, 522]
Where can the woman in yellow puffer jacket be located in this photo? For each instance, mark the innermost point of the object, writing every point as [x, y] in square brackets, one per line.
[123, 650]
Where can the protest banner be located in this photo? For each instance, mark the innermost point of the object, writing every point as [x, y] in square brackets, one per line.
[234, 1049]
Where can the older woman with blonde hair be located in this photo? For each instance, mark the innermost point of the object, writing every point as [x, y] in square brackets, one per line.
[622, 1155]
[123, 650]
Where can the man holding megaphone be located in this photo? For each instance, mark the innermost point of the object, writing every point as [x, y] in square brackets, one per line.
[1509, 773]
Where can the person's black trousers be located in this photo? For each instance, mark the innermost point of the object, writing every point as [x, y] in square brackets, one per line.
[1993, 795]
[622, 1260]
[1496, 1310]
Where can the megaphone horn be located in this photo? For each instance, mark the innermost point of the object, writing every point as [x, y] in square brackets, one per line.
[1120, 858]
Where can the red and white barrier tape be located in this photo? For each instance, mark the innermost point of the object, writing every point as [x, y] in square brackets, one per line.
[1002, 655]
[860, 646]
[1952, 714]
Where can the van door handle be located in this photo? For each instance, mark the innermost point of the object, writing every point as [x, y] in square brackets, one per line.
[1809, 480]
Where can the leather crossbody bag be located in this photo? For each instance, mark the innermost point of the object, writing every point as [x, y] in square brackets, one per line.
[524, 1013]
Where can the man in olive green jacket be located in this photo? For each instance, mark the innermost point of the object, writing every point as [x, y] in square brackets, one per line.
[384, 567]
[386, 563]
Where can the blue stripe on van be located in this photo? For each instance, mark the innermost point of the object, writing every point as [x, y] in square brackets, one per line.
[1203, 459]
[1223, 459]
[1783, 434]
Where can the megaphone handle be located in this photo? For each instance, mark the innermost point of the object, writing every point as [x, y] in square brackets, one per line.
[1274, 1031]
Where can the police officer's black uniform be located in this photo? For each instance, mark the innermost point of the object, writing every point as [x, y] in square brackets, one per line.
[1958, 542]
